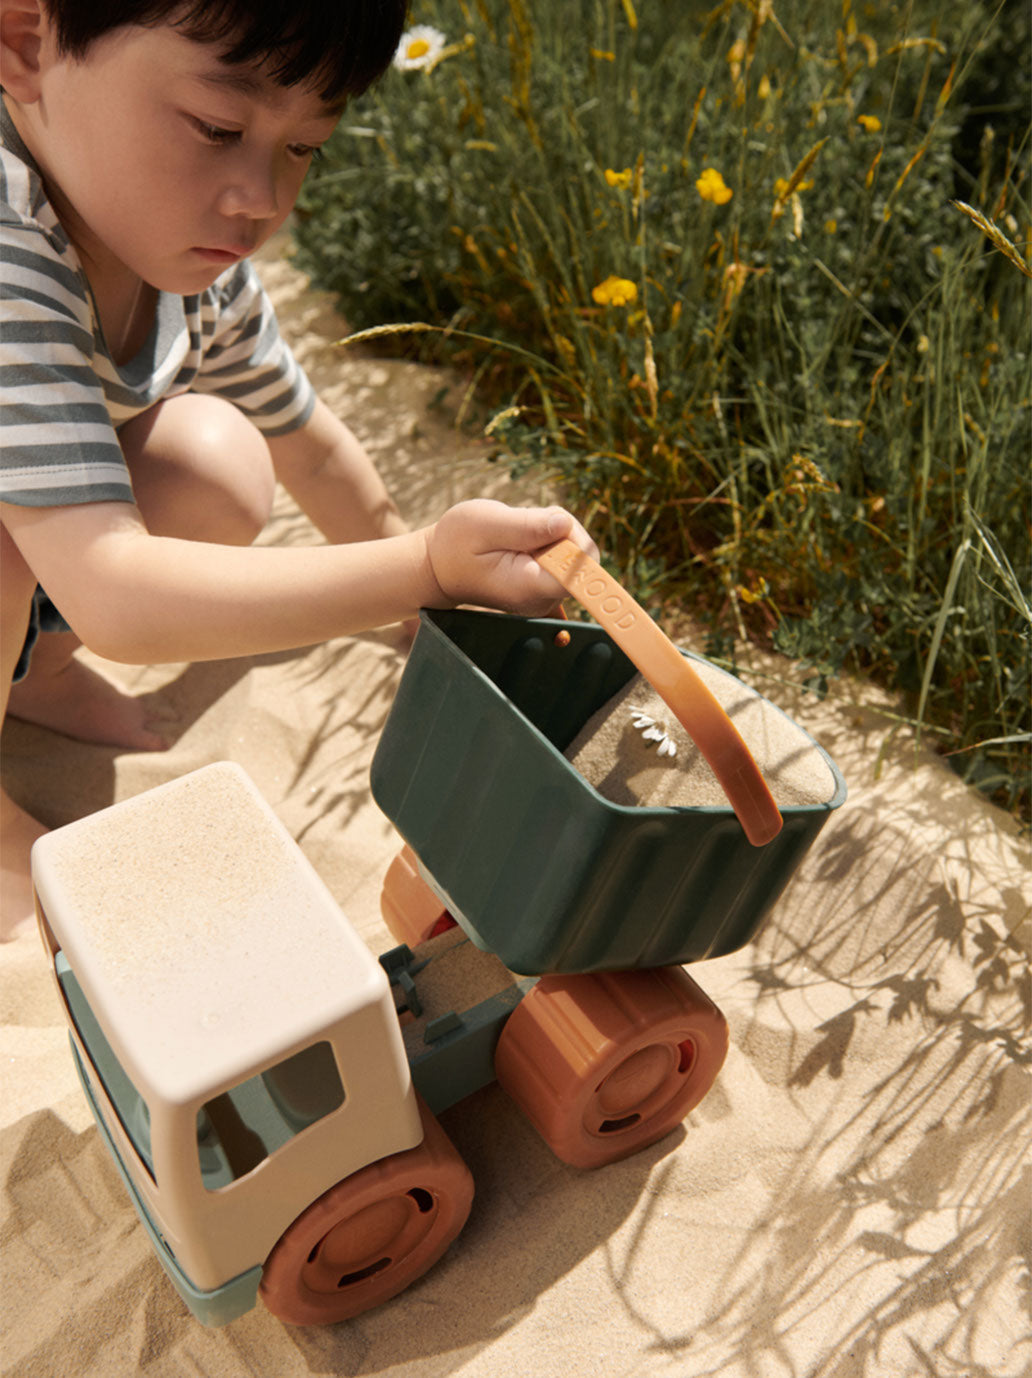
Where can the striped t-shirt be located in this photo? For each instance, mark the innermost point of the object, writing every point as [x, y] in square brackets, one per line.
[61, 394]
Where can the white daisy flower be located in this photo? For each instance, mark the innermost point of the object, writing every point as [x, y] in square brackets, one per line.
[653, 731]
[420, 46]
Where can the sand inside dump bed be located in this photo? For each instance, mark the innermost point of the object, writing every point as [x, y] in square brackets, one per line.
[624, 750]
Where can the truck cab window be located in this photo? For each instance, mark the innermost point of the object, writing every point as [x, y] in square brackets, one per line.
[243, 1126]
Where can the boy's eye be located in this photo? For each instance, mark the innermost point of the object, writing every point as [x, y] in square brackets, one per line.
[215, 134]
[312, 151]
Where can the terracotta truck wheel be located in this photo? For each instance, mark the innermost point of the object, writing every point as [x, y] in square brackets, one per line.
[370, 1236]
[604, 1064]
[410, 909]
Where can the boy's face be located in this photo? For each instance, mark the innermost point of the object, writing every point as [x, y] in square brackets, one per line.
[161, 159]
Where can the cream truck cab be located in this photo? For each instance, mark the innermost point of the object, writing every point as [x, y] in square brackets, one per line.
[239, 1046]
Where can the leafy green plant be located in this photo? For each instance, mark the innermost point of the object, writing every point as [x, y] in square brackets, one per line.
[753, 286]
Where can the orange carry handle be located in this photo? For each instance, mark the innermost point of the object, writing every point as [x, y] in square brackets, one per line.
[673, 678]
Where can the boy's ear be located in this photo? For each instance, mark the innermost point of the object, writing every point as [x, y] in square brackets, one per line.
[22, 27]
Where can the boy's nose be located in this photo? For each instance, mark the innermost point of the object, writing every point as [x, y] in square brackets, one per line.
[252, 191]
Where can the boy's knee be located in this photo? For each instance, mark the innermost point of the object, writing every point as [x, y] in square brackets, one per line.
[201, 470]
[233, 459]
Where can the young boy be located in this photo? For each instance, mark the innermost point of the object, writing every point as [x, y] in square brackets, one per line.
[148, 402]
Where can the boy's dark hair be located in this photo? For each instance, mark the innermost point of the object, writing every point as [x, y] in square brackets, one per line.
[342, 46]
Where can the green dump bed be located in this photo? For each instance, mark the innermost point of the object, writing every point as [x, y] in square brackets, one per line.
[529, 858]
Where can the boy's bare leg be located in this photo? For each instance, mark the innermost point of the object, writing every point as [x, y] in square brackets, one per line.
[18, 831]
[200, 471]
[70, 697]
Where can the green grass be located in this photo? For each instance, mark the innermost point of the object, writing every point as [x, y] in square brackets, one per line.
[804, 415]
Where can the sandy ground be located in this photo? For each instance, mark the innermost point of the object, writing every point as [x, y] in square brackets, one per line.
[850, 1199]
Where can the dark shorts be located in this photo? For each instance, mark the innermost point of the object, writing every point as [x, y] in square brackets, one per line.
[43, 617]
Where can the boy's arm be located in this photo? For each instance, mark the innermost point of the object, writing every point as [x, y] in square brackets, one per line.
[327, 471]
[140, 598]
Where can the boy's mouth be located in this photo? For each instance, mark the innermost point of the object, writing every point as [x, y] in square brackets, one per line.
[221, 255]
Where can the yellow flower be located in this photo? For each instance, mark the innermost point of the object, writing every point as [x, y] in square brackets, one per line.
[618, 179]
[756, 595]
[831, 227]
[712, 187]
[871, 123]
[782, 184]
[614, 291]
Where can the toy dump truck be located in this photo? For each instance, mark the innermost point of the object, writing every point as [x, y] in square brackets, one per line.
[269, 1090]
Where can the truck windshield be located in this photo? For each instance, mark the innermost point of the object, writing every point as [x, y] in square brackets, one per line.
[129, 1105]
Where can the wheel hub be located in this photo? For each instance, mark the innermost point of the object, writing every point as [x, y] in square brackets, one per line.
[368, 1242]
[632, 1083]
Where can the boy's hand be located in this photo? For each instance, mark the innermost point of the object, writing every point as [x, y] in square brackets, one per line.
[481, 552]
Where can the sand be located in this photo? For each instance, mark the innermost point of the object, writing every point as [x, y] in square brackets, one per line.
[848, 1200]
[634, 751]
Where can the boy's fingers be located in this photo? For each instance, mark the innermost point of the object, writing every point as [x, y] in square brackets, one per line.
[545, 525]
[496, 526]
[521, 528]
